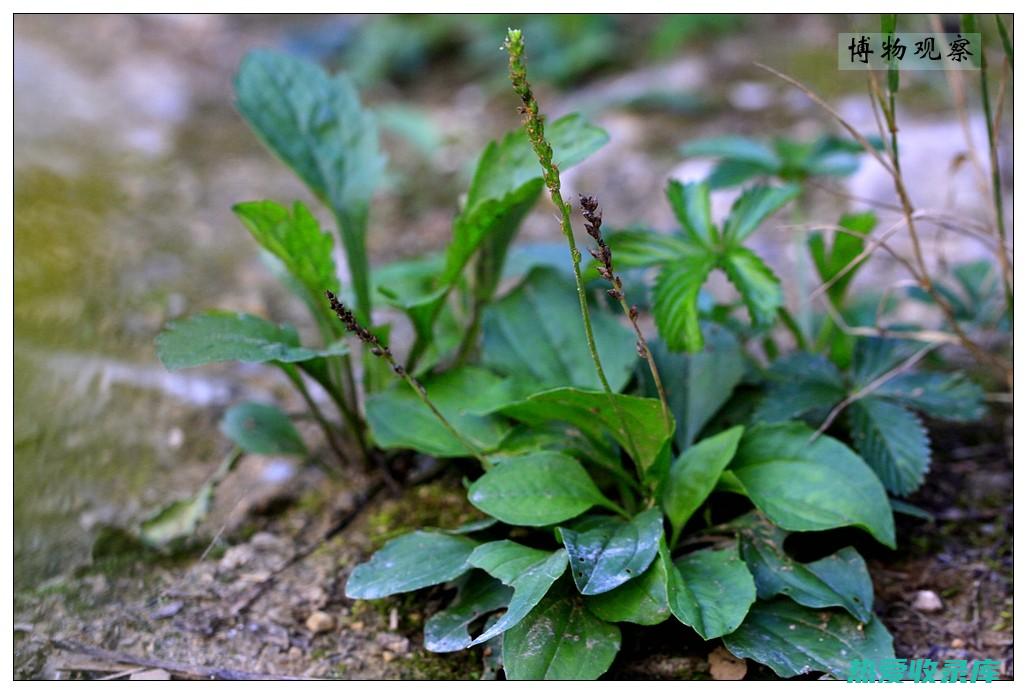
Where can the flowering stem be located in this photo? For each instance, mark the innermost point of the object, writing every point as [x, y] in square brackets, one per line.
[535, 127]
[604, 255]
[376, 348]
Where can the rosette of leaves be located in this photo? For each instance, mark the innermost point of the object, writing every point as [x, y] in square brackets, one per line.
[741, 159]
[573, 549]
[884, 404]
[687, 258]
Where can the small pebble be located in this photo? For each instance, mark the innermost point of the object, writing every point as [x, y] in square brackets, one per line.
[320, 622]
[927, 601]
[356, 625]
[393, 619]
[387, 656]
[958, 643]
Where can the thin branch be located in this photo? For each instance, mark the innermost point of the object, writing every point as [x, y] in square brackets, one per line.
[871, 387]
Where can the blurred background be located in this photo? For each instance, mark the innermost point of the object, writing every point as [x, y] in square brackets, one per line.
[129, 154]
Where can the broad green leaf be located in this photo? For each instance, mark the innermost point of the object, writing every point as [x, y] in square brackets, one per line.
[691, 205]
[754, 280]
[729, 173]
[800, 384]
[734, 148]
[559, 640]
[604, 558]
[535, 490]
[754, 206]
[845, 248]
[410, 562]
[675, 300]
[560, 437]
[946, 396]
[315, 123]
[535, 334]
[262, 429]
[644, 248]
[694, 474]
[803, 484]
[793, 640]
[399, 419]
[528, 571]
[837, 580]
[710, 590]
[893, 441]
[222, 336]
[447, 631]
[698, 384]
[641, 427]
[641, 601]
[295, 238]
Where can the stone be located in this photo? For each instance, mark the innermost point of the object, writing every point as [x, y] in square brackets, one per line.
[151, 675]
[724, 666]
[320, 622]
[927, 601]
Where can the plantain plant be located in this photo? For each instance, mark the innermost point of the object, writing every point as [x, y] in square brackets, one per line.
[623, 478]
[596, 514]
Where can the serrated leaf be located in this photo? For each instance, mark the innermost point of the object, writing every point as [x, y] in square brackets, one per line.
[410, 562]
[844, 249]
[607, 556]
[530, 572]
[641, 601]
[262, 429]
[295, 238]
[447, 631]
[222, 336]
[399, 419]
[793, 640]
[535, 333]
[675, 301]
[875, 356]
[893, 441]
[636, 423]
[535, 490]
[837, 580]
[710, 590]
[694, 474]
[754, 206]
[800, 384]
[643, 248]
[559, 640]
[697, 385]
[804, 485]
[754, 280]
[315, 123]
[691, 205]
[945, 396]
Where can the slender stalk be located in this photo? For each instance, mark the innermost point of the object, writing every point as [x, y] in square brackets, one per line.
[593, 217]
[376, 348]
[535, 126]
[969, 23]
[293, 374]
